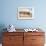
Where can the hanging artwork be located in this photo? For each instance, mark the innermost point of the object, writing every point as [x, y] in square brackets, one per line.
[25, 13]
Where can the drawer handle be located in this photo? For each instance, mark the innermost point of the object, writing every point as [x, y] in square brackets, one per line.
[11, 38]
[33, 39]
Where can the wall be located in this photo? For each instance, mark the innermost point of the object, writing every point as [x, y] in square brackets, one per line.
[9, 13]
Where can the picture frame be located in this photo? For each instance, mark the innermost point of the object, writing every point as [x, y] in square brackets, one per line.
[25, 13]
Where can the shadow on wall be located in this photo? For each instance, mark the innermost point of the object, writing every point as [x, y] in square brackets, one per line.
[2, 26]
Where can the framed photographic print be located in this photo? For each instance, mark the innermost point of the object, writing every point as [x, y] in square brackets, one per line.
[25, 13]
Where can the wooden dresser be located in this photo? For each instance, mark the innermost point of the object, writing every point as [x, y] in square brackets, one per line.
[23, 38]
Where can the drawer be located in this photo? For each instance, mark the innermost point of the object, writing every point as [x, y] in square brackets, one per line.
[27, 37]
[34, 33]
[12, 39]
[12, 44]
[37, 39]
[13, 33]
[27, 41]
[16, 42]
[8, 45]
[37, 44]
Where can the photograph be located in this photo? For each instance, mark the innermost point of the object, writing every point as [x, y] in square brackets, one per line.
[25, 13]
